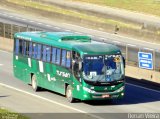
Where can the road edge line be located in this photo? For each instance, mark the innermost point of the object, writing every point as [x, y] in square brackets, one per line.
[51, 101]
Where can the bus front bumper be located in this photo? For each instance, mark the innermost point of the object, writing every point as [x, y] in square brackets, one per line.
[92, 95]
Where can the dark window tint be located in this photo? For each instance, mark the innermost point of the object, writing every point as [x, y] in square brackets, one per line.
[58, 55]
[53, 55]
[48, 49]
[63, 58]
[35, 50]
[16, 46]
[39, 51]
[26, 48]
[30, 49]
[68, 60]
[20, 46]
[44, 53]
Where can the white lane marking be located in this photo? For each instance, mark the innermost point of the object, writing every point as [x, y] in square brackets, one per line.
[24, 19]
[10, 16]
[118, 36]
[116, 42]
[148, 49]
[48, 25]
[131, 45]
[51, 101]
[17, 18]
[67, 30]
[102, 38]
[4, 14]
[57, 28]
[31, 21]
[91, 35]
[143, 87]
[39, 23]
[78, 32]
[5, 52]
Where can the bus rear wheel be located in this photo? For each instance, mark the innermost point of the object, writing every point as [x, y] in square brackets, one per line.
[69, 95]
[34, 83]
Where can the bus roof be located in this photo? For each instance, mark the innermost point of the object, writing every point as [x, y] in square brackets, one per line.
[71, 41]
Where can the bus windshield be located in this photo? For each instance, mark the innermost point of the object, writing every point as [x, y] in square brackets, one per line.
[106, 68]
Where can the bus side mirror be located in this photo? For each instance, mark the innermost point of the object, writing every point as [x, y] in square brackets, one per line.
[124, 62]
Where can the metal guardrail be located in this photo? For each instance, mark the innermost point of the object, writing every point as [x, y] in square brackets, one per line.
[129, 52]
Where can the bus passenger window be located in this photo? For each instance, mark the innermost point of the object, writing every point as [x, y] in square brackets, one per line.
[63, 58]
[58, 56]
[24, 48]
[44, 53]
[48, 53]
[20, 46]
[39, 52]
[27, 48]
[68, 61]
[35, 49]
[16, 46]
[30, 49]
[53, 55]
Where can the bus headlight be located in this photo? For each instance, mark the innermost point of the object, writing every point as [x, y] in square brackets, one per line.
[120, 89]
[88, 90]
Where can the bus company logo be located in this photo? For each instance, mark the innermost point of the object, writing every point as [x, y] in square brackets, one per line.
[63, 74]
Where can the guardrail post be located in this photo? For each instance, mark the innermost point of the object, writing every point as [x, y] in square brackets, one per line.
[4, 34]
[11, 31]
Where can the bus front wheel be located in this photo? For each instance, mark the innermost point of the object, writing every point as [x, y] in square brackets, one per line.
[34, 83]
[69, 95]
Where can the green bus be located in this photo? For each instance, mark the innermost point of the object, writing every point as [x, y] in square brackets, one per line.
[69, 64]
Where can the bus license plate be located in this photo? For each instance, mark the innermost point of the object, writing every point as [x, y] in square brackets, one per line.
[105, 96]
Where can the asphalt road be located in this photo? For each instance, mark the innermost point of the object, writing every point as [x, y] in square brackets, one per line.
[20, 97]
[48, 25]
[17, 96]
[106, 10]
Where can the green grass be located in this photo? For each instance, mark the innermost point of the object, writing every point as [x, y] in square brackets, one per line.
[5, 114]
[84, 16]
[145, 6]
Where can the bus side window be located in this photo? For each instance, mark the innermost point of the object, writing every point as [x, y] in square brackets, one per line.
[21, 47]
[24, 48]
[58, 56]
[16, 46]
[48, 53]
[44, 52]
[27, 48]
[35, 49]
[53, 55]
[68, 60]
[39, 51]
[63, 63]
[30, 49]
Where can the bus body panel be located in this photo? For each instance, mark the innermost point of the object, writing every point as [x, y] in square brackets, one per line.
[55, 77]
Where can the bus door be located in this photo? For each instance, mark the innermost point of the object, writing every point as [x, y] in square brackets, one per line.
[76, 69]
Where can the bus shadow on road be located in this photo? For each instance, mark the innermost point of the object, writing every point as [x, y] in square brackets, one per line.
[133, 95]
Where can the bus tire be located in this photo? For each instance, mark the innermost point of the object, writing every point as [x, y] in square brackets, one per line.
[69, 95]
[34, 83]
